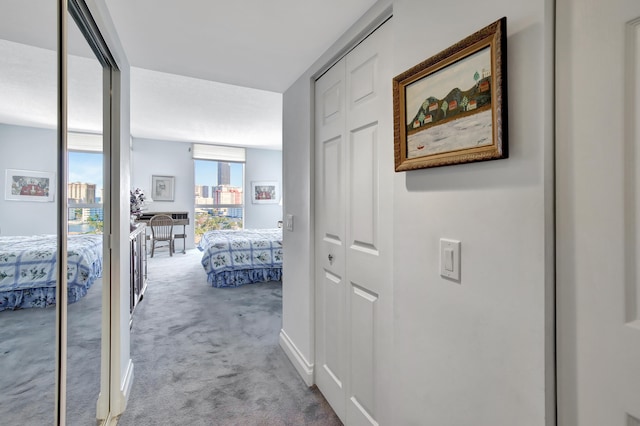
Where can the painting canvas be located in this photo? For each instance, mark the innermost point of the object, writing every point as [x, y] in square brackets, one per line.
[458, 97]
[265, 192]
[26, 185]
[451, 108]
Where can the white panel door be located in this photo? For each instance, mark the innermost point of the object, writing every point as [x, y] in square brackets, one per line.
[598, 212]
[330, 358]
[354, 183]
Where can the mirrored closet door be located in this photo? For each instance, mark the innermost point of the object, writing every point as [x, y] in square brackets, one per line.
[28, 213]
[54, 326]
[85, 225]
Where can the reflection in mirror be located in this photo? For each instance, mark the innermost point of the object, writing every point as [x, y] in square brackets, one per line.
[28, 153]
[28, 219]
[85, 213]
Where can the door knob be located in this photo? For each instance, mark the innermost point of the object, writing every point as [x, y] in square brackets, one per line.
[330, 258]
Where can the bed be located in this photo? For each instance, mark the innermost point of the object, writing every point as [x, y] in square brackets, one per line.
[235, 257]
[28, 273]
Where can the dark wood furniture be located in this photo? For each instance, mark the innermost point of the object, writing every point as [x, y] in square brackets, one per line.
[179, 218]
[138, 267]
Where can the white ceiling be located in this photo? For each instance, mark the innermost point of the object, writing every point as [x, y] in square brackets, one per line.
[202, 70]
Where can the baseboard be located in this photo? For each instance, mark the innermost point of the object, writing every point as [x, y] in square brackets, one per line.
[109, 421]
[304, 368]
[102, 409]
[128, 381]
[125, 391]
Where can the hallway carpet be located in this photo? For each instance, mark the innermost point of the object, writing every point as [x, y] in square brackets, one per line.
[210, 356]
[27, 358]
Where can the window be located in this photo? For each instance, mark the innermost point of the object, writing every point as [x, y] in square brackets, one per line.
[219, 188]
[85, 191]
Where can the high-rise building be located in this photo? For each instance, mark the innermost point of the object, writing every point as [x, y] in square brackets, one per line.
[202, 191]
[78, 192]
[224, 173]
[225, 194]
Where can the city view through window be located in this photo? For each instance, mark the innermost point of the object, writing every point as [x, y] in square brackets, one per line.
[85, 193]
[219, 196]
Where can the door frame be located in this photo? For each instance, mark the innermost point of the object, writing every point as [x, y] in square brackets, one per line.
[596, 215]
[93, 19]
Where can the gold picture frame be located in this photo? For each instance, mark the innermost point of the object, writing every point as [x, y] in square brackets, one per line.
[452, 108]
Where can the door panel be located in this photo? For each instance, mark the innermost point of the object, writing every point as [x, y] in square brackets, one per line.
[363, 79]
[364, 189]
[28, 82]
[332, 332]
[331, 191]
[354, 162]
[369, 202]
[363, 334]
[597, 213]
[330, 237]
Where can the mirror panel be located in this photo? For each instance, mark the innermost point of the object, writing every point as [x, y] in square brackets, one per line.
[28, 172]
[85, 226]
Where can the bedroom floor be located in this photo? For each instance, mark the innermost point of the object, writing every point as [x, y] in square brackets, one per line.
[27, 357]
[210, 356]
[202, 356]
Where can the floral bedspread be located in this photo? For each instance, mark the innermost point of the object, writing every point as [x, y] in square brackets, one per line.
[28, 273]
[235, 257]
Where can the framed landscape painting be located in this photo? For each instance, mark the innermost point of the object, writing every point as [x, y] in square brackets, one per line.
[28, 185]
[452, 108]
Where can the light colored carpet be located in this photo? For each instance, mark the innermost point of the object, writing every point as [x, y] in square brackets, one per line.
[202, 356]
[210, 356]
[27, 358]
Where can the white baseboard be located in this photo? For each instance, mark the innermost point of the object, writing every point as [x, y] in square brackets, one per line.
[109, 421]
[128, 381]
[125, 390]
[304, 368]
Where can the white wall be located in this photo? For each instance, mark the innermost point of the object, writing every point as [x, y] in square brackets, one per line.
[480, 344]
[165, 158]
[27, 148]
[297, 310]
[479, 351]
[262, 165]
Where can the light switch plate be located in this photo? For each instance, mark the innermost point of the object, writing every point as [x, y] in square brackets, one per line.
[450, 259]
[288, 223]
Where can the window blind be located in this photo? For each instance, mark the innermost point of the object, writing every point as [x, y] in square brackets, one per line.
[218, 153]
[87, 142]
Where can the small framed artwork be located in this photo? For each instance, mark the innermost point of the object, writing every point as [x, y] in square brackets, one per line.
[265, 193]
[27, 185]
[163, 188]
[452, 108]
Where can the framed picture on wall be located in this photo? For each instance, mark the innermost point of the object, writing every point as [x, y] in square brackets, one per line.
[452, 108]
[163, 188]
[28, 185]
[266, 192]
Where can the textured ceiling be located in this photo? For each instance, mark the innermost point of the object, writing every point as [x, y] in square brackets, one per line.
[202, 70]
[252, 43]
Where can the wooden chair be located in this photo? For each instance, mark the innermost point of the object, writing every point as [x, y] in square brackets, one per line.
[162, 231]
